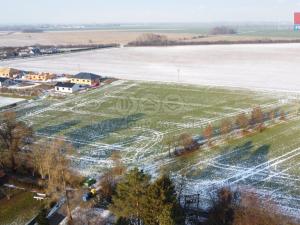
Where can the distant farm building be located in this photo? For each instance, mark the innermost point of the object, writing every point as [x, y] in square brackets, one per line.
[5, 82]
[30, 51]
[40, 76]
[9, 72]
[86, 79]
[67, 87]
[49, 50]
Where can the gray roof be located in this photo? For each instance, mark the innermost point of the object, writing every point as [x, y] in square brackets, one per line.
[66, 85]
[87, 76]
[3, 79]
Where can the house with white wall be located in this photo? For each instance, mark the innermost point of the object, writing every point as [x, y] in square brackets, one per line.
[67, 87]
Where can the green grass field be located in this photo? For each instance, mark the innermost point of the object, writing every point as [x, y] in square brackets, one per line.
[19, 209]
[135, 118]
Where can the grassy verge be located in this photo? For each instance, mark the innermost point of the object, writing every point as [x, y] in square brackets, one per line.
[19, 209]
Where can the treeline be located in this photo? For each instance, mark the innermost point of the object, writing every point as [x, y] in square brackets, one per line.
[241, 125]
[32, 30]
[89, 47]
[151, 40]
[8, 48]
[254, 121]
[13, 52]
[223, 30]
[162, 40]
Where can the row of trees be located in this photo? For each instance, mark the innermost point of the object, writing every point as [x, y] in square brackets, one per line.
[151, 40]
[223, 30]
[244, 122]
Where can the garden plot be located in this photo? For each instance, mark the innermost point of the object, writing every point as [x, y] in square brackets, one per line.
[134, 118]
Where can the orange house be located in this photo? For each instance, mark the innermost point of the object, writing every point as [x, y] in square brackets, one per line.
[9, 72]
[40, 76]
[89, 79]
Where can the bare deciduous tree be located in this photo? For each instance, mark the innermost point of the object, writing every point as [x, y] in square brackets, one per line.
[208, 133]
[242, 121]
[119, 167]
[257, 115]
[225, 127]
[170, 141]
[43, 156]
[272, 114]
[14, 135]
[60, 170]
[282, 115]
[185, 139]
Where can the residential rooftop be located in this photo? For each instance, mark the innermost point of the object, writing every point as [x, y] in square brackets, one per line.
[2, 79]
[87, 76]
[65, 85]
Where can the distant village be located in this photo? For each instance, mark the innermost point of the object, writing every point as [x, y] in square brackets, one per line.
[15, 52]
[54, 84]
[41, 50]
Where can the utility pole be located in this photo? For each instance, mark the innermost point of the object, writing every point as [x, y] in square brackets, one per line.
[178, 75]
[66, 193]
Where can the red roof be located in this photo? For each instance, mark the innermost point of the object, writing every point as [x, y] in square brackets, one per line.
[297, 18]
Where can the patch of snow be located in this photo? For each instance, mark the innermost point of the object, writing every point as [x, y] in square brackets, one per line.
[7, 101]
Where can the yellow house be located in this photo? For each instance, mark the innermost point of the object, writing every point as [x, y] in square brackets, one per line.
[40, 76]
[86, 79]
[9, 72]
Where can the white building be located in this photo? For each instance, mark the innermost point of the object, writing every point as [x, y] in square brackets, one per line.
[5, 82]
[67, 87]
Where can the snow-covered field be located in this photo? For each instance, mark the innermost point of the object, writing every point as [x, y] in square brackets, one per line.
[134, 118]
[6, 101]
[263, 66]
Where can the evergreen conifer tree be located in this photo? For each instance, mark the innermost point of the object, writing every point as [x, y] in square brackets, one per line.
[128, 200]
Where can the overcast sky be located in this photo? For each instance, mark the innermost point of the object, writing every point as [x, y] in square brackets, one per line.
[137, 11]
